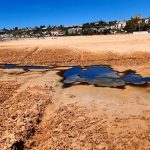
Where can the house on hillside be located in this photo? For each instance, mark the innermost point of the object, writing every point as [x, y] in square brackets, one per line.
[146, 20]
[57, 33]
[72, 31]
[75, 31]
[6, 37]
[101, 29]
[112, 27]
[120, 25]
[44, 28]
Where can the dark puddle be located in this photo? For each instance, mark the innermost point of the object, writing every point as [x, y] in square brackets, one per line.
[26, 68]
[102, 76]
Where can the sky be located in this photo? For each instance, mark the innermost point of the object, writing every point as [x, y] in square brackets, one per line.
[30, 13]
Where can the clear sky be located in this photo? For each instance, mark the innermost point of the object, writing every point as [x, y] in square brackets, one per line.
[26, 13]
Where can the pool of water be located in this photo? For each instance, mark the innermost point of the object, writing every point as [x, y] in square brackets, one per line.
[14, 66]
[103, 76]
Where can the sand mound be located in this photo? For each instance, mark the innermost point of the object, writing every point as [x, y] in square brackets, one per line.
[75, 127]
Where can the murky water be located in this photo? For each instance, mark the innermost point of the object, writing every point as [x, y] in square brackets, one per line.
[13, 66]
[103, 76]
[133, 78]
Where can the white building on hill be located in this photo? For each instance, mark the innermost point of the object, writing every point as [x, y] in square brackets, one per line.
[120, 24]
[146, 20]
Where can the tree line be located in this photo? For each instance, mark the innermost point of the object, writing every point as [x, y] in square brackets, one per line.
[133, 24]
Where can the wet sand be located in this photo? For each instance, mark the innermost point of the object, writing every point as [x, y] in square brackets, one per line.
[38, 113]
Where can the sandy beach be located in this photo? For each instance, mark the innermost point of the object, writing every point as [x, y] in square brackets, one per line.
[38, 113]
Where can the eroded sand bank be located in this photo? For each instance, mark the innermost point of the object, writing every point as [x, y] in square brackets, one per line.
[37, 113]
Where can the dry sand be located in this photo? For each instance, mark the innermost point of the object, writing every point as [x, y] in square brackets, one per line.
[113, 43]
[115, 49]
[37, 113]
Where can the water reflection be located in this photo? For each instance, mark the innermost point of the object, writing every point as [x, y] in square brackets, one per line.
[103, 76]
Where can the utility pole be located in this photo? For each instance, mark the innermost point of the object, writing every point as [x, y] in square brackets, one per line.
[140, 17]
[139, 26]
